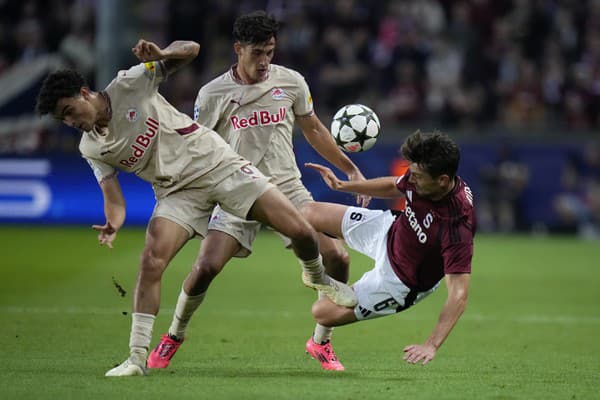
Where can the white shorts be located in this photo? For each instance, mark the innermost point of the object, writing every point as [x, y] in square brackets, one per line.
[380, 292]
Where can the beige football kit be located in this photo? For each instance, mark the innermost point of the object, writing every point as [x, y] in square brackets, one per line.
[191, 168]
[257, 120]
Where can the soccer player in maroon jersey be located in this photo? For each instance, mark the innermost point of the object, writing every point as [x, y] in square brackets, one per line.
[431, 239]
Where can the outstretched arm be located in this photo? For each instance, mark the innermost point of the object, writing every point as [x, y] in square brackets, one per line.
[458, 289]
[384, 187]
[114, 210]
[321, 140]
[174, 56]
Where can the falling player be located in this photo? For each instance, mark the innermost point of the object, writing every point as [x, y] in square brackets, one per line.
[413, 251]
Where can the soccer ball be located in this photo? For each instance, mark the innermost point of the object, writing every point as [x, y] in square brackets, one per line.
[355, 128]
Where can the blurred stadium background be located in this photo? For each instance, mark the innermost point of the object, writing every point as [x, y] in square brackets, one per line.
[517, 83]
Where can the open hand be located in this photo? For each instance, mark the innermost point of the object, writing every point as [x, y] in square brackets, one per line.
[107, 234]
[147, 51]
[327, 174]
[415, 353]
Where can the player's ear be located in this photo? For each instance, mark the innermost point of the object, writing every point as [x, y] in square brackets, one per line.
[85, 92]
[443, 180]
[237, 47]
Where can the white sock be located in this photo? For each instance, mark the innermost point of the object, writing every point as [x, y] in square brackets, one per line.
[314, 269]
[186, 305]
[141, 334]
[322, 333]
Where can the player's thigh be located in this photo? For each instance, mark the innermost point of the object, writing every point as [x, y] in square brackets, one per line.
[164, 238]
[325, 217]
[274, 209]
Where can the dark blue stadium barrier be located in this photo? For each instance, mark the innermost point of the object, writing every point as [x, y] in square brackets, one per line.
[63, 190]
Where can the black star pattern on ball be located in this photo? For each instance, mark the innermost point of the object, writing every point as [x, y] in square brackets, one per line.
[356, 143]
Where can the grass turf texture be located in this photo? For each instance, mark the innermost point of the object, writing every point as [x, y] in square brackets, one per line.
[530, 331]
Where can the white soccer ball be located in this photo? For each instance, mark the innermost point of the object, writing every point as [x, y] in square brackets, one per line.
[355, 128]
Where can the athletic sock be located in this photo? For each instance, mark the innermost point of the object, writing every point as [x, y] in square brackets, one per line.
[314, 269]
[322, 333]
[186, 305]
[141, 334]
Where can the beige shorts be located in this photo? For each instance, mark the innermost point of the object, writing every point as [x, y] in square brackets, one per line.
[245, 231]
[191, 206]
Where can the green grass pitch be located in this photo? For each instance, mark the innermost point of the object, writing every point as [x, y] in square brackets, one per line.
[531, 329]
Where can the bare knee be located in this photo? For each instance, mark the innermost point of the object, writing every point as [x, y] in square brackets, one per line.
[152, 265]
[205, 269]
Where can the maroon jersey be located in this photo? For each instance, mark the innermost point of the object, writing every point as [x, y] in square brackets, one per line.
[432, 238]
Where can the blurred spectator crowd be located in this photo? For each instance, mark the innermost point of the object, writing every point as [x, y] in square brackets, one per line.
[577, 205]
[524, 64]
[467, 66]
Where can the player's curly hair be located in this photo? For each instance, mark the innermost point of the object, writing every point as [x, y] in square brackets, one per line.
[435, 152]
[58, 85]
[255, 28]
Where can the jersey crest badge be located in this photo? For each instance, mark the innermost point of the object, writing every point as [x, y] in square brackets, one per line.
[277, 93]
[131, 115]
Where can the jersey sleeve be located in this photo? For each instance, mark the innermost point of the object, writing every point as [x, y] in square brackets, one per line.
[205, 109]
[144, 75]
[457, 256]
[101, 170]
[303, 103]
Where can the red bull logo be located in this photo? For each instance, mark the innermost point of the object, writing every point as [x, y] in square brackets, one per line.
[258, 118]
[141, 143]
[277, 93]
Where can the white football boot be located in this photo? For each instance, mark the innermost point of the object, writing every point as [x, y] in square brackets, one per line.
[338, 292]
[127, 368]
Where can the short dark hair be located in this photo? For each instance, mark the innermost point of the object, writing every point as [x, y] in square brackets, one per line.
[58, 85]
[435, 152]
[255, 27]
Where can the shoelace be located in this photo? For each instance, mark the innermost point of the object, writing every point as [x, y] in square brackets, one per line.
[166, 349]
[330, 353]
